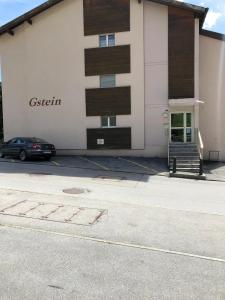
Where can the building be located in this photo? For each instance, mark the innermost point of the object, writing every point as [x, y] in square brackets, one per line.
[118, 77]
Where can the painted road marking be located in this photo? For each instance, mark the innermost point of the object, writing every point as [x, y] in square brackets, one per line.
[13, 160]
[94, 163]
[122, 244]
[55, 163]
[138, 164]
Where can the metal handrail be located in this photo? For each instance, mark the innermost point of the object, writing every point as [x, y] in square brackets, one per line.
[174, 165]
[199, 142]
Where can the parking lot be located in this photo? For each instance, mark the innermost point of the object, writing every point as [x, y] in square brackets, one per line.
[214, 171]
[140, 165]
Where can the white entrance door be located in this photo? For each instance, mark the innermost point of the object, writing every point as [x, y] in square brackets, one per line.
[181, 130]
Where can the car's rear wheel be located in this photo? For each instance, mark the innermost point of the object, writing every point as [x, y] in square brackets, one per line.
[48, 158]
[23, 155]
[2, 155]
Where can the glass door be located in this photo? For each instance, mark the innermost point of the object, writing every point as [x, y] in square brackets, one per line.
[181, 127]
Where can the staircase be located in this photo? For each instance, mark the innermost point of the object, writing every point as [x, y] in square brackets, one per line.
[188, 162]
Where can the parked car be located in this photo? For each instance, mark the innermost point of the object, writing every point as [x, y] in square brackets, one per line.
[25, 147]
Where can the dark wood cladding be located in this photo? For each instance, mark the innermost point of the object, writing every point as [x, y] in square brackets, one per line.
[181, 53]
[114, 138]
[106, 16]
[108, 101]
[107, 60]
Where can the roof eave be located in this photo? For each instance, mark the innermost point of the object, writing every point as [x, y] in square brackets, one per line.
[199, 12]
[10, 26]
[213, 34]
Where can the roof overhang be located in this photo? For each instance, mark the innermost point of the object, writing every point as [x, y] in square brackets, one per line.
[27, 17]
[213, 35]
[199, 12]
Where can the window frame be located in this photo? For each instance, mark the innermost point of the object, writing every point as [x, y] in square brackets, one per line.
[107, 40]
[107, 75]
[108, 121]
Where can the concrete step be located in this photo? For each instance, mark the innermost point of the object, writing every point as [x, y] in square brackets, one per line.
[184, 158]
[179, 150]
[183, 154]
[188, 175]
[186, 169]
[183, 146]
[190, 166]
[186, 161]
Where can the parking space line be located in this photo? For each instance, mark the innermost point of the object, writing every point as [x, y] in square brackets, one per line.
[116, 243]
[13, 160]
[138, 164]
[94, 163]
[55, 163]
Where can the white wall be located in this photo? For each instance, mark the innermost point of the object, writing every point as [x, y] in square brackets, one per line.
[46, 60]
[156, 77]
[212, 92]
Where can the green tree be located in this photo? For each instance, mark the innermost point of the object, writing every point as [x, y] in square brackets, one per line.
[1, 114]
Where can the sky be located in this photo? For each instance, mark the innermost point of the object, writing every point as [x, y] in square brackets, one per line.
[215, 21]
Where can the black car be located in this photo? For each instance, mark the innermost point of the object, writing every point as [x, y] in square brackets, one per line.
[25, 147]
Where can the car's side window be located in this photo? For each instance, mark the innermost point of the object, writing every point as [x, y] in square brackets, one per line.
[20, 141]
[13, 141]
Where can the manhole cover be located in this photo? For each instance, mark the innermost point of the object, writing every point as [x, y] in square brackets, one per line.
[76, 191]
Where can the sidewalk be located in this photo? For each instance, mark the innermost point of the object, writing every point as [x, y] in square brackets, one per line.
[214, 171]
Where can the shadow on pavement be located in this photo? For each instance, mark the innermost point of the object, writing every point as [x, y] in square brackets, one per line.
[214, 170]
[114, 168]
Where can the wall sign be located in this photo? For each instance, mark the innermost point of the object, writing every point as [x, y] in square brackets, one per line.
[44, 102]
[100, 141]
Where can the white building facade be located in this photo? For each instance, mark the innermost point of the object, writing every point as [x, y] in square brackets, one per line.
[129, 78]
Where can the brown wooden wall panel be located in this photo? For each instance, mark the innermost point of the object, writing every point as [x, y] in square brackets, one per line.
[181, 53]
[108, 101]
[114, 138]
[108, 60]
[106, 16]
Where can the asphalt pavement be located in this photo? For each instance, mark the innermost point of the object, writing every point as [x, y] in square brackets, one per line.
[139, 235]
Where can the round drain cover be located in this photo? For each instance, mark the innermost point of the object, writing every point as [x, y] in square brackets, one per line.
[75, 191]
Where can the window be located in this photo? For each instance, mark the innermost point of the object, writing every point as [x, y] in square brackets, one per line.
[13, 141]
[107, 40]
[111, 40]
[108, 121]
[107, 81]
[20, 141]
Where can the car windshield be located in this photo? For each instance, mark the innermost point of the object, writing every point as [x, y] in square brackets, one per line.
[34, 140]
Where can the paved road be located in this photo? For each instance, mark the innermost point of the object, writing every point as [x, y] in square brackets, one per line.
[159, 238]
[46, 266]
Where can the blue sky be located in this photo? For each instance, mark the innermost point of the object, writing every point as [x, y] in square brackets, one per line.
[10, 9]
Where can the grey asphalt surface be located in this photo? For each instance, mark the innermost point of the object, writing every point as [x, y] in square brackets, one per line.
[140, 165]
[159, 238]
[214, 171]
[44, 266]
